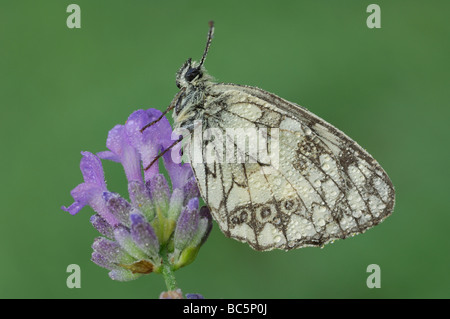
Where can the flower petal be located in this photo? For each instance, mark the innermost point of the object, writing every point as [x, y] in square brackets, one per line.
[151, 140]
[179, 173]
[92, 170]
[118, 206]
[90, 194]
[74, 208]
[119, 145]
[108, 155]
[84, 193]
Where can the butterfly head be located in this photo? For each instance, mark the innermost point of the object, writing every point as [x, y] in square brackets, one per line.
[191, 72]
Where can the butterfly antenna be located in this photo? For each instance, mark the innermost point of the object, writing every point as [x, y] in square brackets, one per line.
[208, 42]
[163, 152]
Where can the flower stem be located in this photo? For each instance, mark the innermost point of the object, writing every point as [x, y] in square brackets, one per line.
[168, 272]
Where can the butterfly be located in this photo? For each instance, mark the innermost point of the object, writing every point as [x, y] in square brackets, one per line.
[323, 186]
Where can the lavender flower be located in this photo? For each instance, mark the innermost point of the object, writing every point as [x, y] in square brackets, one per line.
[178, 294]
[160, 228]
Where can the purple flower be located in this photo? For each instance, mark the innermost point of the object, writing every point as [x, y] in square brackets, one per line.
[160, 228]
[178, 294]
[121, 151]
[193, 227]
[194, 296]
[91, 191]
[152, 140]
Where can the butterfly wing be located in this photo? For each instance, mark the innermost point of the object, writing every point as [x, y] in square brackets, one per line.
[321, 187]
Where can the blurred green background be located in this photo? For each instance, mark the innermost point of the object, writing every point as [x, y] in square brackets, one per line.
[63, 89]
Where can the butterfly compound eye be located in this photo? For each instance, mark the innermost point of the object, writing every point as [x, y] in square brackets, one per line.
[191, 74]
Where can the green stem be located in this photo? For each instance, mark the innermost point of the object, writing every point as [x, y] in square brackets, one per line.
[167, 272]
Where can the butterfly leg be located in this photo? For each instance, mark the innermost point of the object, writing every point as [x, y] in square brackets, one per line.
[164, 152]
[171, 106]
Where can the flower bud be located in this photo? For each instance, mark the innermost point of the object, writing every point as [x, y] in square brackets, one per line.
[112, 251]
[187, 225]
[124, 238]
[118, 206]
[201, 224]
[144, 236]
[123, 275]
[140, 198]
[102, 226]
[159, 191]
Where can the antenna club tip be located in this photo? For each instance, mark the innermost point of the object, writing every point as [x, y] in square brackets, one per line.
[208, 42]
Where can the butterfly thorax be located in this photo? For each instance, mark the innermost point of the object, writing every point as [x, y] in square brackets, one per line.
[194, 82]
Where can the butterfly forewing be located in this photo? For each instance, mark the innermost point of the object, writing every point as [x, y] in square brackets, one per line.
[324, 186]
